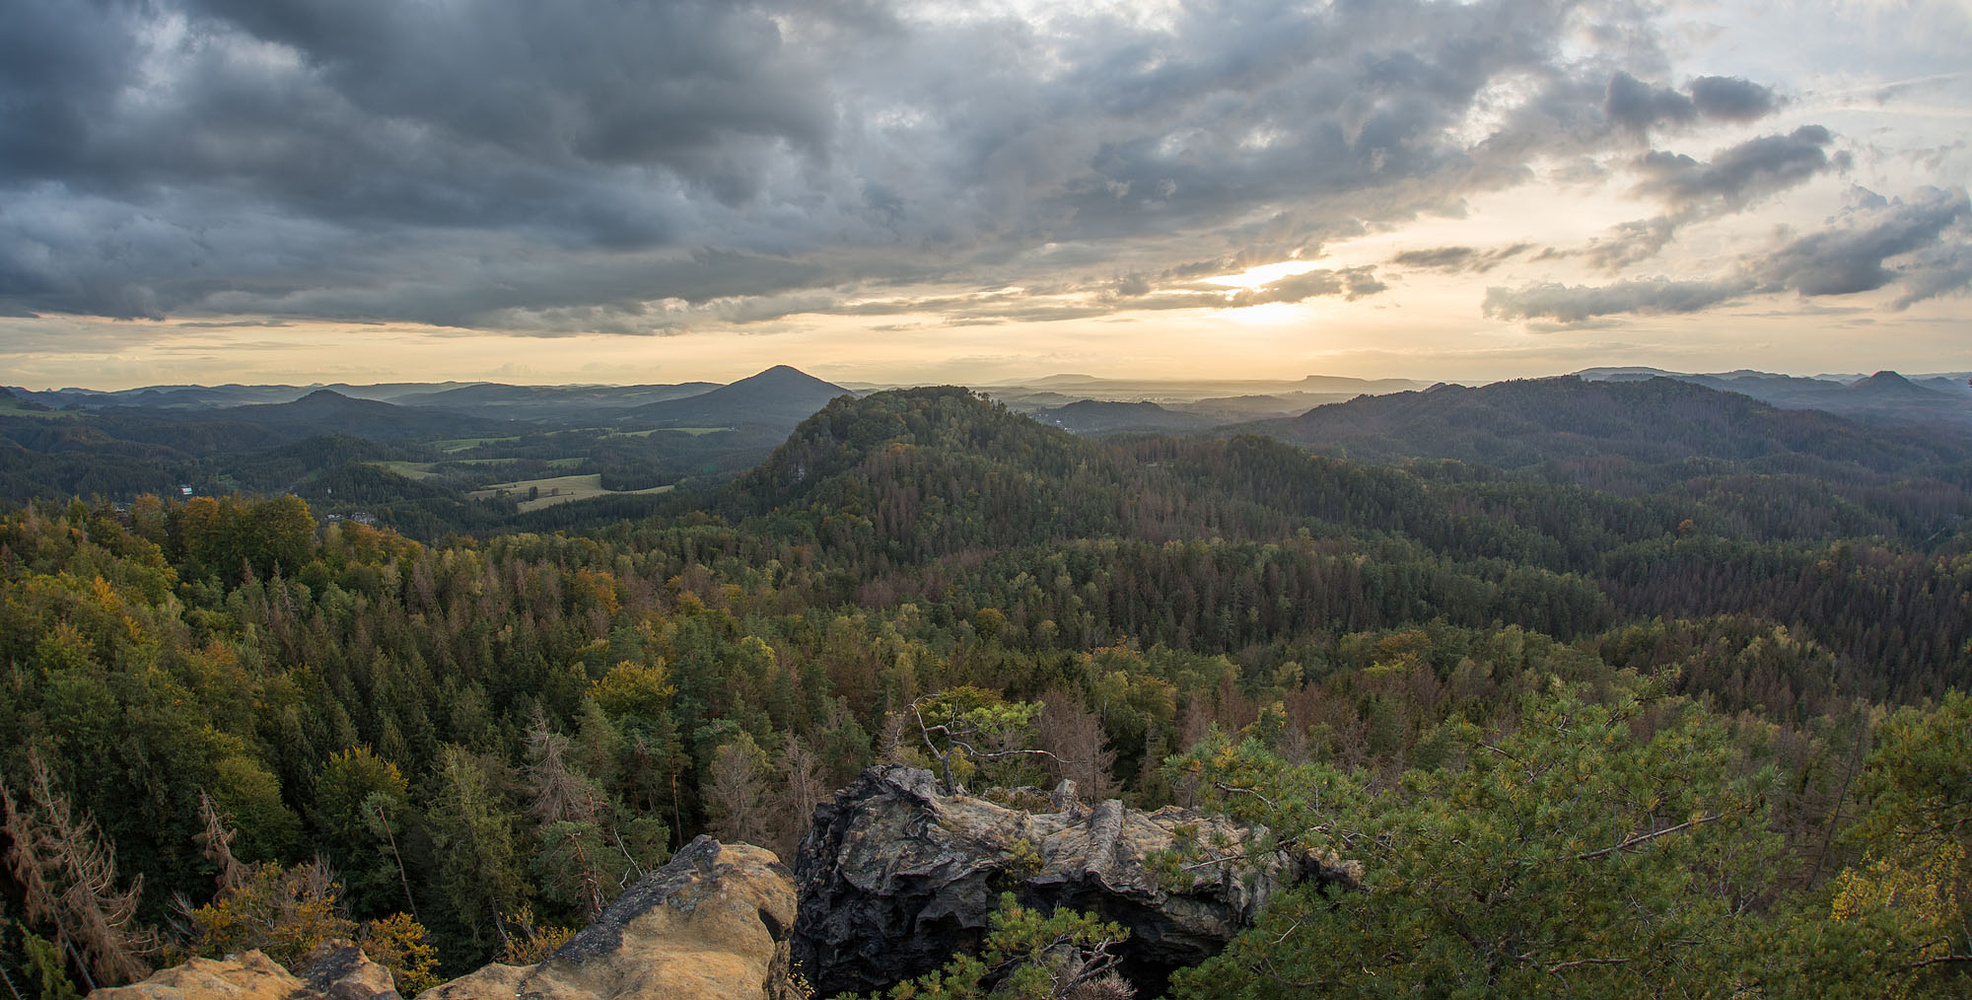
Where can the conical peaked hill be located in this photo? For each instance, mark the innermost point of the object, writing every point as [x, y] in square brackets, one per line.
[1887, 385]
[779, 397]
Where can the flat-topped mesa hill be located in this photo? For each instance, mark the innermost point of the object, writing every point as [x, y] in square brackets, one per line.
[1096, 416]
[1530, 422]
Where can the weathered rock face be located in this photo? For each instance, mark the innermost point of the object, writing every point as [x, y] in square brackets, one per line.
[895, 876]
[711, 924]
[335, 971]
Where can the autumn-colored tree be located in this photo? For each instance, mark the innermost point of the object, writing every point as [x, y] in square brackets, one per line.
[284, 912]
[402, 945]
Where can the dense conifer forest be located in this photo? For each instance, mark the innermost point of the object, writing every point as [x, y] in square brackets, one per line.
[1685, 723]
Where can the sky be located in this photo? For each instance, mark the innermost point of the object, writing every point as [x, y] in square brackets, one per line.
[616, 191]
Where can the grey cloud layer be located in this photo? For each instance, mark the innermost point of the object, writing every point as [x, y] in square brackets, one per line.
[1636, 105]
[1692, 191]
[1918, 245]
[638, 167]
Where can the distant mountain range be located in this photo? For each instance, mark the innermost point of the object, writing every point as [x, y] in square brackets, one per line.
[779, 397]
[1579, 422]
[1885, 395]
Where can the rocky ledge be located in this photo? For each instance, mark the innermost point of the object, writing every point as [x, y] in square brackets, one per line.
[713, 924]
[336, 970]
[895, 876]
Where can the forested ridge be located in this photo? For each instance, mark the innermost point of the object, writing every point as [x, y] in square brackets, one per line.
[1688, 736]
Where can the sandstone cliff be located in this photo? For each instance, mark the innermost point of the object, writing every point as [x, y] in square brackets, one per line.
[895, 876]
[710, 925]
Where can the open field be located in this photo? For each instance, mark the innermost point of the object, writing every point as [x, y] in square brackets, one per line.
[409, 470]
[461, 444]
[11, 407]
[553, 490]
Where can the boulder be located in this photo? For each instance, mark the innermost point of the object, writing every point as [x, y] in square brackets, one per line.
[336, 970]
[895, 876]
[250, 976]
[711, 924]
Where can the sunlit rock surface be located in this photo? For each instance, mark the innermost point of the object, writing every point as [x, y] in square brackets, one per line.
[711, 924]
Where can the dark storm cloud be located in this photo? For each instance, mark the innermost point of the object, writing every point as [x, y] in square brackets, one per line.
[1731, 98]
[1924, 246]
[1639, 106]
[1928, 232]
[639, 167]
[1743, 173]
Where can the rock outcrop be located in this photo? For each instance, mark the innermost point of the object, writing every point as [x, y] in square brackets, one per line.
[895, 876]
[713, 924]
[335, 971]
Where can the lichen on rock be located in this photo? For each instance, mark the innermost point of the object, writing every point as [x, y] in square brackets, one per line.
[895, 876]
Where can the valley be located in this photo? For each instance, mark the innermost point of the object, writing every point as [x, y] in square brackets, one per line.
[1477, 645]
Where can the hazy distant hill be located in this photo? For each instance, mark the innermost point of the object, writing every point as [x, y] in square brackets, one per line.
[1095, 416]
[326, 411]
[551, 402]
[195, 397]
[778, 397]
[1256, 395]
[1885, 395]
[1527, 423]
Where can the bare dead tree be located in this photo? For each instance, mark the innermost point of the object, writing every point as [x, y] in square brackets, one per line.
[801, 790]
[1073, 735]
[217, 839]
[68, 870]
[737, 795]
[560, 792]
[890, 739]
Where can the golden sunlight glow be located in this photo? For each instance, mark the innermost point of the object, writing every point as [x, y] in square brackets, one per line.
[1254, 277]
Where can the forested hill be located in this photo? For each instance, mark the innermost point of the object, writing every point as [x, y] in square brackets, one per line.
[1568, 420]
[921, 495]
[495, 735]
